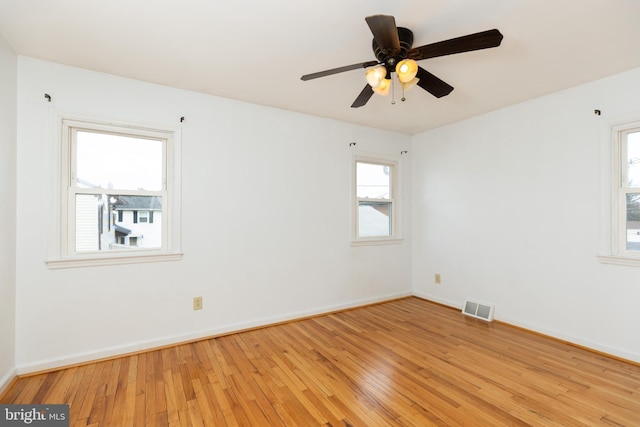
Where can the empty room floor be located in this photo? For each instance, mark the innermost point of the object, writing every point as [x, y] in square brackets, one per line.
[407, 362]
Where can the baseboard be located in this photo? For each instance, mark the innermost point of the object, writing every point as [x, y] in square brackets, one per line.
[143, 346]
[576, 342]
[7, 380]
[586, 345]
[440, 301]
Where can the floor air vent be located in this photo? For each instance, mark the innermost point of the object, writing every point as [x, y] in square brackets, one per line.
[477, 310]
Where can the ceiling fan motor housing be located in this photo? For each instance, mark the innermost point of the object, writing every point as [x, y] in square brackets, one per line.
[389, 57]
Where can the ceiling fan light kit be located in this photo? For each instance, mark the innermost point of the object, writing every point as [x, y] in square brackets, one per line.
[380, 80]
[383, 87]
[392, 46]
[406, 70]
[375, 75]
[411, 83]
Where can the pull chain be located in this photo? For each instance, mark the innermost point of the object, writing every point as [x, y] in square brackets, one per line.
[393, 93]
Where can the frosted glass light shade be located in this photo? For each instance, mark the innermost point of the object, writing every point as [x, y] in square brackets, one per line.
[383, 87]
[375, 75]
[407, 70]
[408, 85]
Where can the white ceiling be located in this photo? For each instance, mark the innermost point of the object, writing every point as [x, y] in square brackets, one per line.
[256, 50]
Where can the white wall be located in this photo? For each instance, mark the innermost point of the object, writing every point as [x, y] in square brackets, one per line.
[507, 208]
[8, 67]
[265, 212]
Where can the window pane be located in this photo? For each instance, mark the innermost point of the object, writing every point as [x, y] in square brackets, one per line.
[110, 222]
[633, 222]
[373, 181]
[633, 159]
[118, 162]
[87, 223]
[374, 219]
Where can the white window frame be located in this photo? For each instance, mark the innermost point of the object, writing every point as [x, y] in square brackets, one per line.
[615, 235]
[394, 162]
[62, 253]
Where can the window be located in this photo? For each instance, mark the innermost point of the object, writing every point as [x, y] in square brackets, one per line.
[627, 194]
[376, 190]
[118, 194]
[624, 237]
[143, 216]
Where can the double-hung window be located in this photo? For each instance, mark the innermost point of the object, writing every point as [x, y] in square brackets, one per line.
[626, 200]
[114, 178]
[376, 208]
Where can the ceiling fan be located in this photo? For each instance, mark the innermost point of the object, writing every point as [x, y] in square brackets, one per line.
[392, 46]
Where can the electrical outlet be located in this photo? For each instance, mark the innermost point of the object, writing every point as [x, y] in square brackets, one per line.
[197, 303]
[438, 279]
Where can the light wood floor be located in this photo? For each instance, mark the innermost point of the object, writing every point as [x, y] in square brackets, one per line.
[405, 362]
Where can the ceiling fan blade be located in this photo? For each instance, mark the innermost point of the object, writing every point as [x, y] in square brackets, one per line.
[385, 33]
[364, 96]
[433, 84]
[477, 41]
[338, 70]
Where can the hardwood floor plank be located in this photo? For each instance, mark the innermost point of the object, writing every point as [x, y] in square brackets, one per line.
[209, 405]
[195, 416]
[201, 403]
[407, 362]
[224, 406]
[26, 389]
[100, 412]
[170, 396]
[80, 391]
[49, 382]
[84, 405]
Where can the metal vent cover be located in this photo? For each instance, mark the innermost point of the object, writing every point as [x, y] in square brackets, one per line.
[478, 310]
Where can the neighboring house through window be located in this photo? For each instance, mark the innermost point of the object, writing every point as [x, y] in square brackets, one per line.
[627, 176]
[139, 220]
[117, 191]
[376, 199]
[625, 194]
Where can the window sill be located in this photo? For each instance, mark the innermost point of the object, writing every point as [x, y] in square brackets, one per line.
[375, 242]
[619, 260]
[55, 264]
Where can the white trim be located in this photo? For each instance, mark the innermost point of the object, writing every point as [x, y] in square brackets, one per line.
[432, 298]
[613, 246]
[61, 251]
[376, 241]
[148, 345]
[129, 258]
[619, 260]
[395, 199]
[546, 332]
[572, 340]
[6, 380]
